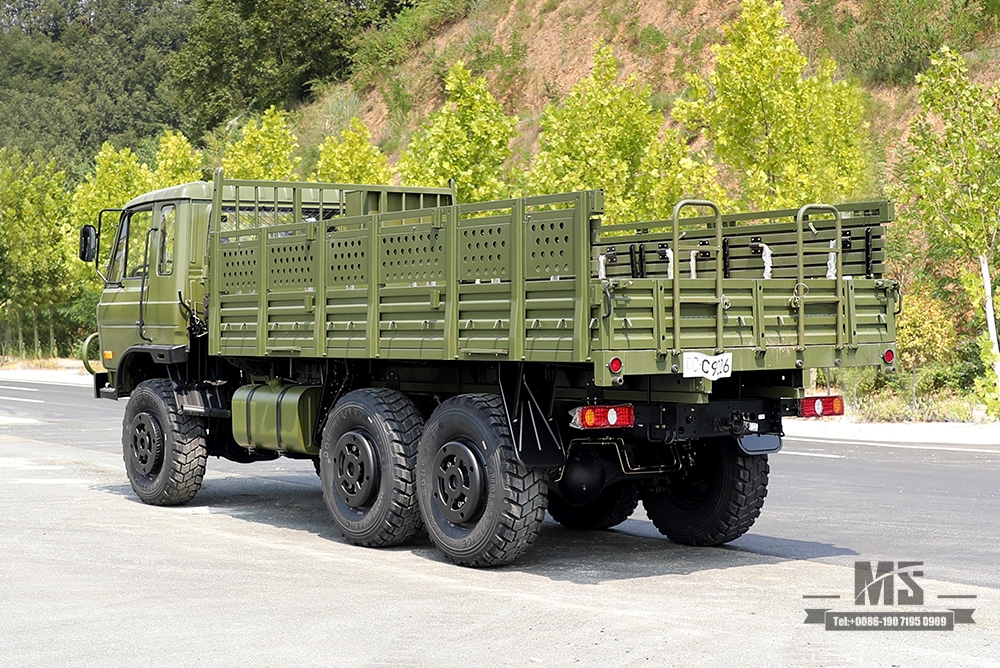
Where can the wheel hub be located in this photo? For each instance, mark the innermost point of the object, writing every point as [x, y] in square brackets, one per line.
[355, 469]
[146, 448]
[458, 483]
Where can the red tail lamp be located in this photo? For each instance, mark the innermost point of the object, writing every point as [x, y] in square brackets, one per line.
[620, 416]
[821, 406]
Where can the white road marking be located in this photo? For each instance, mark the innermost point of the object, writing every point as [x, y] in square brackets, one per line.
[52, 481]
[27, 401]
[811, 454]
[14, 420]
[19, 389]
[894, 445]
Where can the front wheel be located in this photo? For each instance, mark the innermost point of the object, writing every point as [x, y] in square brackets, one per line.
[164, 449]
[480, 504]
[715, 498]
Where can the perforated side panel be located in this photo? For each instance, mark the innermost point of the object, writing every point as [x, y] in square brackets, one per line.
[347, 259]
[485, 250]
[409, 257]
[239, 269]
[550, 239]
[290, 265]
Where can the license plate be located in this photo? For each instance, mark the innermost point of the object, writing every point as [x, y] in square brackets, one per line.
[712, 367]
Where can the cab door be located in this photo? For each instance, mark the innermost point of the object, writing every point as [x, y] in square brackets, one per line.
[139, 302]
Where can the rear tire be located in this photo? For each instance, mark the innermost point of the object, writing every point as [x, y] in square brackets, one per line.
[366, 464]
[164, 450]
[480, 504]
[714, 499]
[613, 505]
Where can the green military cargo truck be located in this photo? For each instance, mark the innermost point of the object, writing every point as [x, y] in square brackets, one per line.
[464, 367]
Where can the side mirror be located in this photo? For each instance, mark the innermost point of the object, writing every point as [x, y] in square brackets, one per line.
[88, 243]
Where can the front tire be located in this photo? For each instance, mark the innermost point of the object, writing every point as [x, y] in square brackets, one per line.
[481, 505]
[164, 450]
[613, 505]
[366, 464]
[714, 499]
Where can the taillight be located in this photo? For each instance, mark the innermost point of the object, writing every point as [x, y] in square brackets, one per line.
[821, 406]
[620, 416]
[615, 365]
[889, 356]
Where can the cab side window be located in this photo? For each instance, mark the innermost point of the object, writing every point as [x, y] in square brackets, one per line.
[128, 259]
[168, 233]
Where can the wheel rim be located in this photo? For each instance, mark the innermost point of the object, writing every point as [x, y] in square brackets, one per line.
[355, 469]
[458, 483]
[146, 447]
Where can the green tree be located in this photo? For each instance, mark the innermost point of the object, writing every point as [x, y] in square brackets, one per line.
[176, 161]
[75, 74]
[117, 177]
[246, 56]
[352, 158]
[950, 175]
[668, 174]
[34, 222]
[604, 135]
[787, 137]
[264, 149]
[467, 140]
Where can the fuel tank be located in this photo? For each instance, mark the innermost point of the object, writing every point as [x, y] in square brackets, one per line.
[277, 417]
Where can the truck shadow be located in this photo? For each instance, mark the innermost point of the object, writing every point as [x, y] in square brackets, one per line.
[632, 550]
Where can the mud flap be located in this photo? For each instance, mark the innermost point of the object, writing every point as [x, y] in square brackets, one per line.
[760, 444]
[536, 438]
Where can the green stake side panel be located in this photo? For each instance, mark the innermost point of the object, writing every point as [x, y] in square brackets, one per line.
[522, 280]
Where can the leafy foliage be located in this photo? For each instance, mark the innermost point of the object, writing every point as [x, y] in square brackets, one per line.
[950, 177]
[468, 140]
[352, 158]
[893, 39]
[668, 174]
[925, 332]
[380, 49]
[34, 223]
[76, 74]
[177, 161]
[246, 56]
[264, 150]
[788, 137]
[604, 135]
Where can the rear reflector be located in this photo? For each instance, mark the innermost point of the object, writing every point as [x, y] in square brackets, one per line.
[821, 406]
[603, 417]
[889, 357]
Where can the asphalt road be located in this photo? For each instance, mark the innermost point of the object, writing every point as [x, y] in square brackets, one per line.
[252, 573]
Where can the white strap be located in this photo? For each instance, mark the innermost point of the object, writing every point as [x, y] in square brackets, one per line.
[694, 268]
[831, 262]
[765, 253]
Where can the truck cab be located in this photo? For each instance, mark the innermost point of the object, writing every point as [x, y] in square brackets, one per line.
[153, 281]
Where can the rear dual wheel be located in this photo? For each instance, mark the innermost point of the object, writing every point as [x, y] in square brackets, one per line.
[480, 505]
[367, 460]
[714, 499]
